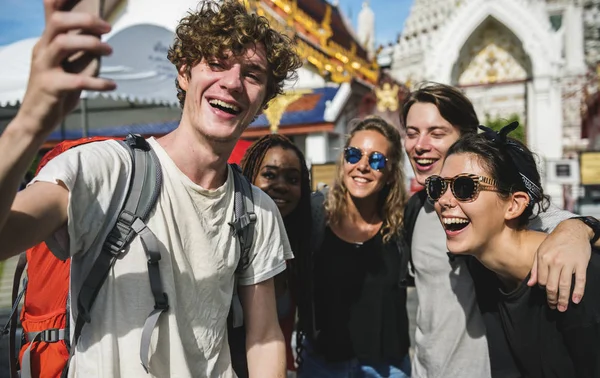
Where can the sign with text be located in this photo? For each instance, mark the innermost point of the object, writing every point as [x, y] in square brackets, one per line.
[590, 168]
[562, 171]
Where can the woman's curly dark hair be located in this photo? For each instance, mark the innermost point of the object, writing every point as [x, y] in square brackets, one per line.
[216, 29]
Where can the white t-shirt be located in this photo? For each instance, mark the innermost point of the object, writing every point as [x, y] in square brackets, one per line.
[199, 258]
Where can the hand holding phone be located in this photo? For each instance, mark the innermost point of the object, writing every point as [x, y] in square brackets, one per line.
[81, 62]
[53, 92]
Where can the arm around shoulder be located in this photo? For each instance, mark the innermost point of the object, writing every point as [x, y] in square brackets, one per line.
[566, 251]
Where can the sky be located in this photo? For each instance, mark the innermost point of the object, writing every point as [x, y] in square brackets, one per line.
[20, 19]
[389, 16]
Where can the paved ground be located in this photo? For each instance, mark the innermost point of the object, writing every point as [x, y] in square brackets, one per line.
[4, 369]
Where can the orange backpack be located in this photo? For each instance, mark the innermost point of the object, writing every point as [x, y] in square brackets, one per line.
[46, 346]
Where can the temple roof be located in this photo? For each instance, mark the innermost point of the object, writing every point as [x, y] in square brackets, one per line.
[342, 35]
[323, 37]
[308, 109]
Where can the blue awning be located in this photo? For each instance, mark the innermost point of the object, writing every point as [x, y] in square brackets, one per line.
[158, 128]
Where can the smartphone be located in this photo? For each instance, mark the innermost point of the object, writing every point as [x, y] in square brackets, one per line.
[83, 62]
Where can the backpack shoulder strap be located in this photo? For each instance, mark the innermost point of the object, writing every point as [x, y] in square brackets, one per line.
[244, 215]
[142, 194]
[244, 220]
[11, 326]
[411, 212]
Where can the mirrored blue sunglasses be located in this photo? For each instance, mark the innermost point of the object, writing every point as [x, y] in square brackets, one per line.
[377, 160]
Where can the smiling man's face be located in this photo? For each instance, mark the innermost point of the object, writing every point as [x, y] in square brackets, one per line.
[428, 138]
[224, 95]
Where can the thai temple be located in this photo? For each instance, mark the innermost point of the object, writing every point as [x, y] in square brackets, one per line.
[511, 57]
[530, 60]
[337, 75]
[337, 83]
[340, 80]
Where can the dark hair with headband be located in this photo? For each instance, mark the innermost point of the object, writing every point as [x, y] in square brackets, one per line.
[509, 162]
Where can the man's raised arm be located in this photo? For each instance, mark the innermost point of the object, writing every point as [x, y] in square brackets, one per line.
[51, 94]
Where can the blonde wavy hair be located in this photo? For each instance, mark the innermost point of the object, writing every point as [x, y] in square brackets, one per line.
[392, 197]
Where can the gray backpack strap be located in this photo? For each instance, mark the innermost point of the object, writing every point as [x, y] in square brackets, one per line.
[161, 300]
[243, 228]
[11, 326]
[143, 192]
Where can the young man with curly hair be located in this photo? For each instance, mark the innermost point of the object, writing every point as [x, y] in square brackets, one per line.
[230, 64]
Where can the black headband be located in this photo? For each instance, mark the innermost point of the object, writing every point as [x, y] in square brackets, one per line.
[517, 155]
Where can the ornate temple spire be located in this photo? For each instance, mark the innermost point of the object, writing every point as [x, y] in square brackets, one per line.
[425, 20]
[428, 15]
[366, 28]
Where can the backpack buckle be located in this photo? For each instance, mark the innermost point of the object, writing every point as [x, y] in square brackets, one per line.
[243, 221]
[50, 335]
[116, 240]
[137, 141]
[162, 305]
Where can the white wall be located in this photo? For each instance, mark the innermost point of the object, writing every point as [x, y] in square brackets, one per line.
[316, 147]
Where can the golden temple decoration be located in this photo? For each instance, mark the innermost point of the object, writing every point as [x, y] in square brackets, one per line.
[387, 97]
[329, 58]
[291, 10]
[492, 56]
[325, 31]
[492, 72]
[279, 104]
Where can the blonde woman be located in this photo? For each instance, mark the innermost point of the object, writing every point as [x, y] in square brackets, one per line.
[358, 325]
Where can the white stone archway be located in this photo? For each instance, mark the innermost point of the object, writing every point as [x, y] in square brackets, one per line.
[493, 70]
[543, 95]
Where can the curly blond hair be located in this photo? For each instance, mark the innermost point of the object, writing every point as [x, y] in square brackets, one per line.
[392, 197]
[217, 28]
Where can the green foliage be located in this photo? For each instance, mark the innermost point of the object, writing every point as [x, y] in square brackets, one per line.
[498, 123]
[34, 165]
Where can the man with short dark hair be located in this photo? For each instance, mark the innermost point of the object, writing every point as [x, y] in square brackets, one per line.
[451, 333]
[230, 64]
